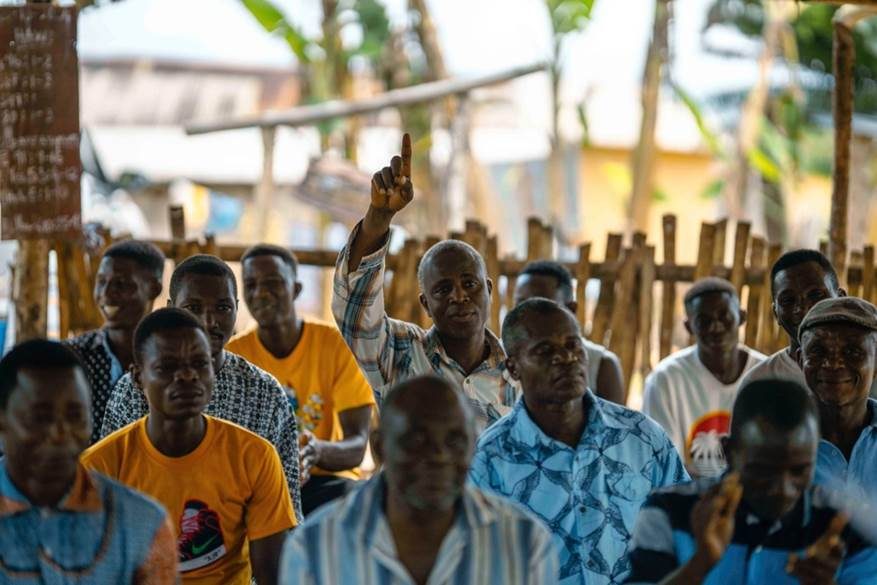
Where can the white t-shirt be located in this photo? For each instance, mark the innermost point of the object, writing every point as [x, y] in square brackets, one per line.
[685, 398]
[782, 366]
[595, 353]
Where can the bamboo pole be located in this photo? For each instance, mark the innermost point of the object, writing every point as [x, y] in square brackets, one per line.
[607, 292]
[647, 282]
[844, 60]
[582, 274]
[719, 243]
[705, 251]
[265, 188]
[30, 289]
[868, 274]
[857, 259]
[491, 259]
[741, 246]
[753, 306]
[668, 288]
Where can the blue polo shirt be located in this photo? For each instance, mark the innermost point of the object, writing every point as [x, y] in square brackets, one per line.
[858, 476]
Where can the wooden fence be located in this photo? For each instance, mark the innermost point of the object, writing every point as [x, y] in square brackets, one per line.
[637, 312]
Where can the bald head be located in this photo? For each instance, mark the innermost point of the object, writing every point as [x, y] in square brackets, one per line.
[454, 250]
[425, 441]
[425, 397]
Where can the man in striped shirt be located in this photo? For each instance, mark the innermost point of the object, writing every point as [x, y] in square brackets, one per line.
[763, 523]
[455, 292]
[417, 521]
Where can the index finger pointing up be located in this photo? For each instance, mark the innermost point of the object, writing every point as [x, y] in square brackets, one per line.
[406, 155]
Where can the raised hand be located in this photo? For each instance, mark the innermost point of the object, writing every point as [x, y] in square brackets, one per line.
[391, 186]
[712, 518]
[822, 559]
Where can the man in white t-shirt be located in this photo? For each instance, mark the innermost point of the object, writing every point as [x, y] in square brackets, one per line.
[691, 392]
[799, 280]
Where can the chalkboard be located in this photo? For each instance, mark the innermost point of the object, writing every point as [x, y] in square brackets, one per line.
[39, 123]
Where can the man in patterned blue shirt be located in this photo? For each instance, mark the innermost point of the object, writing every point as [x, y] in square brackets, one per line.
[580, 463]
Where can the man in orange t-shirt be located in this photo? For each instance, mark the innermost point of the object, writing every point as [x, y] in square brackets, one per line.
[223, 486]
[332, 399]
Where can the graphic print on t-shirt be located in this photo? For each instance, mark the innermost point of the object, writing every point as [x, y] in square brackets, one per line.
[309, 414]
[200, 542]
[704, 453]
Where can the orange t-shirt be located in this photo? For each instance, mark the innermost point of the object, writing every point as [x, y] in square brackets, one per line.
[321, 376]
[231, 489]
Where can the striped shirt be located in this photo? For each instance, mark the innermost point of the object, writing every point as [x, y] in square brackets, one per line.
[101, 532]
[390, 351]
[349, 542]
[588, 496]
[759, 551]
[103, 370]
[243, 394]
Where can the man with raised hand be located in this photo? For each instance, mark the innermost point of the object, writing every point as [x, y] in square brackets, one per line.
[454, 291]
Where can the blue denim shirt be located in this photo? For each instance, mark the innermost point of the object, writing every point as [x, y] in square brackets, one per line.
[101, 533]
[589, 497]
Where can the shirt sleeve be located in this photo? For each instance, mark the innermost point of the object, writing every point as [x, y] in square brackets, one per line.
[160, 565]
[126, 404]
[294, 566]
[656, 404]
[652, 550]
[350, 388]
[478, 470]
[285, 441]
[102, 457]
[671, 466]
[376, 341]
[269, 509]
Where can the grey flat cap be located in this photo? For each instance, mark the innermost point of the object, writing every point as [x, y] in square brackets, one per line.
[851, 310]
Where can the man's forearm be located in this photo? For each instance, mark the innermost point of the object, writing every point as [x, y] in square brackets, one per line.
[341, 455]
[371, 235]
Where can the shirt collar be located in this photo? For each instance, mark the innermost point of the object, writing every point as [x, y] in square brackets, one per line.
[435, 350]
[475, 510]
[84, 495]
[525, 427]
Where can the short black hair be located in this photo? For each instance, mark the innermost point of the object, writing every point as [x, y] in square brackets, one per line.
[708, 285]
[444, 246]
[555, 270]
[784, 404]
[160, 320]
[513, 329]
[39, 354]
[271, 250]
[147, 255]
[204, 265]
[803, 256]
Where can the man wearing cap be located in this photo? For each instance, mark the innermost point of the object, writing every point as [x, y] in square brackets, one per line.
[838, 354]
[691, 392]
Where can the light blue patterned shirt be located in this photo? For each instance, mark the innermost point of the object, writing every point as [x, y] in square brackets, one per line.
[349, 542]
[589, 497]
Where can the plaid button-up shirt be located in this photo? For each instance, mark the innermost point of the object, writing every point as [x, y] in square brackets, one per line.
[390, 351]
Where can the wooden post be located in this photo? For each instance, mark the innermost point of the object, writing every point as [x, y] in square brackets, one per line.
[719, 244]
[622, 340]
[705, 251]
[753, 306]
[844, 59]
[177, 218]
[265, 189]
[491, 260]
[583, 274]
[868, 274]
[647, 282]
[30, 289]
[741, 246]
[854, 286]
[769, 333]
[668, 288]
[535, 235]
[607, 292]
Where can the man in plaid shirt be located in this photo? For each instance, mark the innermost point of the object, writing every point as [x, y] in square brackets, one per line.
[455, 292]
